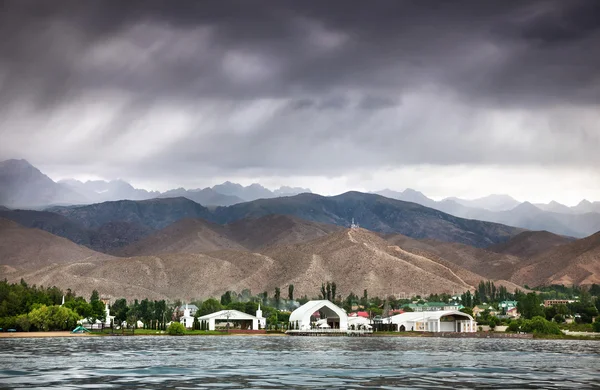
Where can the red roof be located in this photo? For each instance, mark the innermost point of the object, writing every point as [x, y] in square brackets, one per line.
[362, 314]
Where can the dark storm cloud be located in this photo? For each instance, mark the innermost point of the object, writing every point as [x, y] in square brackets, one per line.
[303, 87]
[385, 44]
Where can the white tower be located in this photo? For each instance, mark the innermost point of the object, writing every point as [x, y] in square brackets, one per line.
[259, 312]
[354, 225]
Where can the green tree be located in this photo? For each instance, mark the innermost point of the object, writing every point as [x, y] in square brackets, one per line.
[120, 309]
[365, 299]
[530, 306]
[493, 322]
[328, 291]
[265, 298]
[597, 325]
[333, 291]
[540, 325]
[80, 306]
[550, 312]
[467, 299]
[226, 298]
[211, 305]
[53, 318]
[98, 312]
[291, 292]
[277, 297]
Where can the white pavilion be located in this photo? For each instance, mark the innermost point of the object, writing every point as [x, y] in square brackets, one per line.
[333, 316]
[433, 321]
[248, 321]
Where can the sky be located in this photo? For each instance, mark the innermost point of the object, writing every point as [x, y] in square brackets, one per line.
[461, 98]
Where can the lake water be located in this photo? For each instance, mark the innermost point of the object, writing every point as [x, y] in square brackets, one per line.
[297, 362]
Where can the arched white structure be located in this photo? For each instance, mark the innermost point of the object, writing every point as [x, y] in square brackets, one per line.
[257, 322]
[434, 321]
[336, 317]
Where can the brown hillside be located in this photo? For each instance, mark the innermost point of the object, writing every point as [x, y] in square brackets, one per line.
[529, 244]
[184, 236]
[168, 276]
[577, 262]
[482, 264]
[199, 236]
[358, 260]
[354, 259]
[25, 248]
[275, 229]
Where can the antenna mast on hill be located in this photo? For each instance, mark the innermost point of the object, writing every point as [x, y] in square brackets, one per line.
[354, 225]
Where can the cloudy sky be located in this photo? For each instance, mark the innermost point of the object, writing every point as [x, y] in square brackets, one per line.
[461, 98]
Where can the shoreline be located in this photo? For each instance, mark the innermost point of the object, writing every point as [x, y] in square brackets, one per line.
[28, 335]
[61, 334]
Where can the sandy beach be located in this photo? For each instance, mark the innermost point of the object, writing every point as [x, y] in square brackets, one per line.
[42, 334]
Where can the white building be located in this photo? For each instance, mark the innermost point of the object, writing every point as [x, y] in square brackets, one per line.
[247, 321]
[359, 323]
[433, 321]
[187, 319]
[109, 319]
[303, 317]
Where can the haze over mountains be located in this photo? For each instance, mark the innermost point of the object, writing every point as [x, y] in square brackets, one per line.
[173, 248]
[24, 186]
[578, 221]
[111, 225]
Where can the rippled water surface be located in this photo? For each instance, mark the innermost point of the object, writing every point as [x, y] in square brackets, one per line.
[296, 362]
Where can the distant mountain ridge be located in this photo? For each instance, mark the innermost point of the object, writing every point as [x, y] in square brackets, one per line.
[374, 212]
[24, 186]
[524, 215]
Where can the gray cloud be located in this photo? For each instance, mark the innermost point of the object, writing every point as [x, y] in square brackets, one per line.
[157, 89]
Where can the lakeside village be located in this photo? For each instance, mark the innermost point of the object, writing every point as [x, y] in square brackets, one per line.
[488, 312]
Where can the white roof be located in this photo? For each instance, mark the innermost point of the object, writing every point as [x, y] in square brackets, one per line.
[426, 315]
[228, 315]
[310, 307]
[358, 320]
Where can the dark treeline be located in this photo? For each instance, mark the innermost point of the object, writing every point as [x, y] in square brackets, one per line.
[25, 307]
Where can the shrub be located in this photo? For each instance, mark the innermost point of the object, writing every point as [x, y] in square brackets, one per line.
[493, 322]
[176, 329]
[597, 325]
[540, 325]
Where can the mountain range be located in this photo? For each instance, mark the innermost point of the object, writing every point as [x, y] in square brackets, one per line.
[24, 186]
[580, 221]
[193, 258]
[109, 226]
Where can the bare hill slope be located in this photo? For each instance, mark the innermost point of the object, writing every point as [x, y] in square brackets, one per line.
[198, 235]
[355, 259]
[21, 247]
[482, 263]
[530, 243]
[185, 236]
[577, 262]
